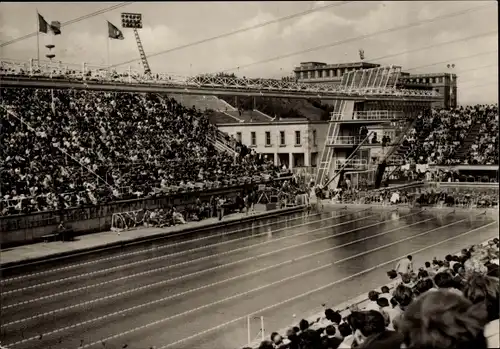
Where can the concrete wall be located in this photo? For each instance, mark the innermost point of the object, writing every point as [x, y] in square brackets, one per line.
[22, 229]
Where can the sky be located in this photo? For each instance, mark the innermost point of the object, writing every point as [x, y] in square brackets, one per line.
[464, 33]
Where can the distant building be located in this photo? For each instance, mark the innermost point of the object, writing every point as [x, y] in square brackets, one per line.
[288, 142]
[443, 83]
[317, 72]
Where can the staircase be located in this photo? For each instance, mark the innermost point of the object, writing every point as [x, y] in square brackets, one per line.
[472, 135]
[220, 143]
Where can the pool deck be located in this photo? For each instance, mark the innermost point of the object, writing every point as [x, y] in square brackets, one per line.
[37, 252]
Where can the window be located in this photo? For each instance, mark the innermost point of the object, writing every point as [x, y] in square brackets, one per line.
[268, 138]
[314, 138]
[253, 138]
[282, 138]
[297, 138]
[238, 136]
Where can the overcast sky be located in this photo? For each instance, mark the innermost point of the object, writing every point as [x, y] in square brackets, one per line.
[172, 24]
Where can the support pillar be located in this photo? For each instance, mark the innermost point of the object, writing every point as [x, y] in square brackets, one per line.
[307, 159]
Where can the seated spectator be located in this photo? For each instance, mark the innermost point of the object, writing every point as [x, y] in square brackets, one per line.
[385, 293]
[372, 304]
[266, 345]
[443, 320]
[277, 340]
[372, 333]
[403, 296]
[291, 335]
[422, 273]
[423, 286]
[347, 335]
[178, 218]
[482, 289]
[310, 339]
[331, 318]
[406, 280]
[386, 310]
[331, 341]
[444, 280]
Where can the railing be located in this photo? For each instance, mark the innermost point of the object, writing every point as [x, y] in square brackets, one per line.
[350, 158]
[356, 163]
[395, 160]
[86, 72]
[335, 116]
[158, 192]
[377, 115]
[344, 140]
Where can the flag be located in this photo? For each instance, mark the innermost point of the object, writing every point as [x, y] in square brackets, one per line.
[114, 32]
[42, 24]
[55, 26]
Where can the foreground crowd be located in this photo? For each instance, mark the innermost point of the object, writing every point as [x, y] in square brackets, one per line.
[447, 304]
[87, 148]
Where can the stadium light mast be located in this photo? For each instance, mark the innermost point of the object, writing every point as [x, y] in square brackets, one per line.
[134, 21]
[451, 67]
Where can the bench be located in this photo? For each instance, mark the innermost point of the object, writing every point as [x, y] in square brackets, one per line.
[63, 235]
[51, 237]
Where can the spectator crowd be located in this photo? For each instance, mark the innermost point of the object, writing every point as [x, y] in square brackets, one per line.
[444, 196]
[70, 148]
[451, 303]
[438, 135]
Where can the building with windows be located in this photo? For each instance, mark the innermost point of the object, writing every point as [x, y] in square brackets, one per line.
[288, 142]
[318, 72]
[443, 83]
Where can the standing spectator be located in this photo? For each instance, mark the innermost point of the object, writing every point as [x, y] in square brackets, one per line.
[220, 208]
[405, 266]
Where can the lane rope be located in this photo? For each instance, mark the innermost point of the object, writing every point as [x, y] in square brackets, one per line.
[151, 271]
[157, 258]
[106, 259]
[215, 268]
[238, 295]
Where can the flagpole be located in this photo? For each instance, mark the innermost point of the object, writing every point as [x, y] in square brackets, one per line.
[37, 38]
[107, 49]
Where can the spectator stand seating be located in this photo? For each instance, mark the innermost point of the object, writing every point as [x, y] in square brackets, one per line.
[107, 147]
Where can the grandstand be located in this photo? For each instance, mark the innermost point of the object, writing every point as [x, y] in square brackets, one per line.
[131, 219]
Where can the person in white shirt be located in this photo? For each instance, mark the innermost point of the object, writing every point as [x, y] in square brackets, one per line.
[372, 303]
[346, 332]
[405, 266]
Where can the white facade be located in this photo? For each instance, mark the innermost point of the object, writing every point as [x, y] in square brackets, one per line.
[293, 143]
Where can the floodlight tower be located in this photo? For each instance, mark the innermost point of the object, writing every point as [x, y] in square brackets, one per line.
[134, 21]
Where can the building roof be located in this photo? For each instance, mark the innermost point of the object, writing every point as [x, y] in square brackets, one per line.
[313, 65]
[431, 75]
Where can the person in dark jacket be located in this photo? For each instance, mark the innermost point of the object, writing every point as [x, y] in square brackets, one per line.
[372, 333]
[330, 341]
